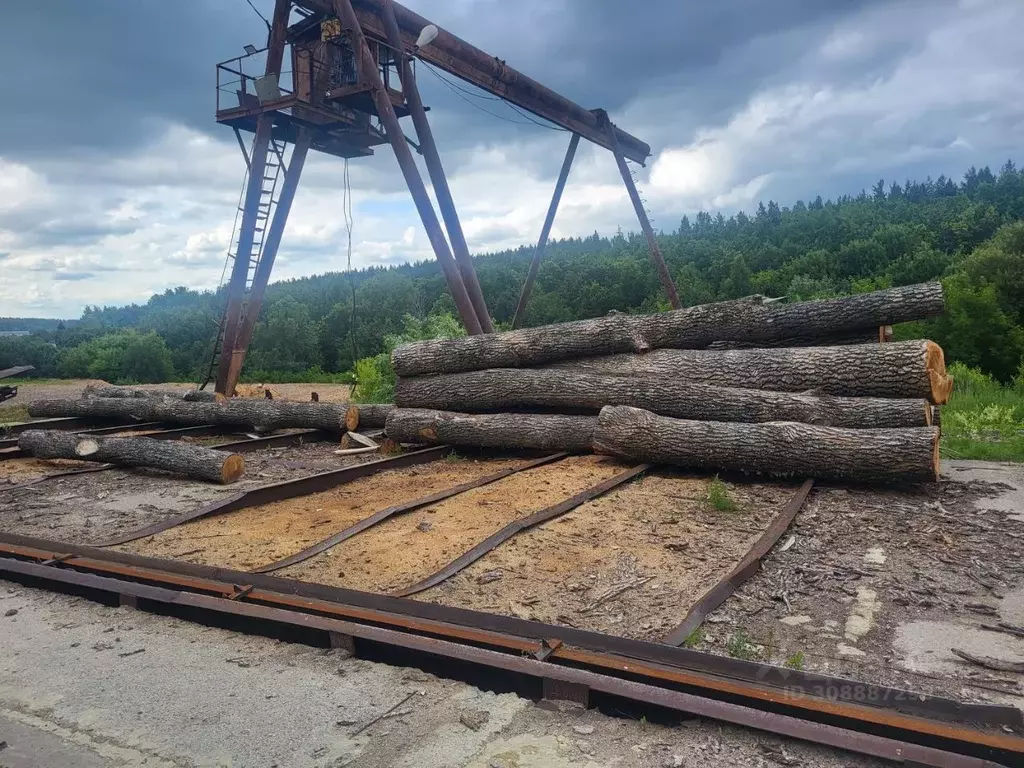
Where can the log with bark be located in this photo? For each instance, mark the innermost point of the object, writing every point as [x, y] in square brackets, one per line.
[544, 432]
[180, 458]
[753, 319]
[554, 389]
[194, 395]
[260, 415]
[367, 415]
[778, 448]
[901, 369]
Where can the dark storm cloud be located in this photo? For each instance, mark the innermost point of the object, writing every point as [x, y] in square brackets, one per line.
[109, 74]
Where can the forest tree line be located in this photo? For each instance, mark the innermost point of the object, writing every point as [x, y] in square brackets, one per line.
[968, 233]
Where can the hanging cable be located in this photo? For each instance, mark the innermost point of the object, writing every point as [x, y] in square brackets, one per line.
[464, 94]
[346, 204]
[257, 10]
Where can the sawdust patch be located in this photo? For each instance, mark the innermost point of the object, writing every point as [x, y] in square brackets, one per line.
[256, 536]
[28, 468]
[408, 548]
[630, 563]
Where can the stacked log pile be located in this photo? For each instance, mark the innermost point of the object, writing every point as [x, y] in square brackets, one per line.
[714, 386]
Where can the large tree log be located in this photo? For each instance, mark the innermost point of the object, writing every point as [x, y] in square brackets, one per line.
[196, 395]
[778, 448]
[261, 415]
[367, 415]
[180, 458]
[553, 432]
[901, 369]
[505, 389]
[751, 319]
[859, 336]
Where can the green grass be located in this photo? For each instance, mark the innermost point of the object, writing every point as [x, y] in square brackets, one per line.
[739, 646]
[983, 419]
[12, 414]
[694, 639]
[718, 496]
[795, 661]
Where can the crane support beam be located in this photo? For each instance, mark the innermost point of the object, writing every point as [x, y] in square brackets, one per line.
[467, 62]
[407, 163]
[428, 149]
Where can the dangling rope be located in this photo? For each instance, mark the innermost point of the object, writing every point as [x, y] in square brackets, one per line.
[346, 204]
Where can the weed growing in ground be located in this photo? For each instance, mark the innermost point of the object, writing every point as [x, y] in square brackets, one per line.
[739, 646]
[718, 496]
[694, 639]
[795, 661]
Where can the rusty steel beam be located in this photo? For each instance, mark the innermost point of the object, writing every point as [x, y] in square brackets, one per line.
[469, 63]
[817, 692]
[645, 223]
[303, 486]
[748, 566]
[554, 682]
[389, 512]
[243, 253]
[522, 524]
[261, 278]
[386, 111]
[549, 220]
[434, 167]
[925, 740]
[247, 229]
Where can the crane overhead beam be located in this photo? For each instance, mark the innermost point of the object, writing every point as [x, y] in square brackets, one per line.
[467, 62]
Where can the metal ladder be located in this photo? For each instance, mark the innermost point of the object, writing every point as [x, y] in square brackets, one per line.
[269, 195]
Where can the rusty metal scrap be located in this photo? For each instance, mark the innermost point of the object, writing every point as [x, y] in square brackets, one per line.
[747, 567]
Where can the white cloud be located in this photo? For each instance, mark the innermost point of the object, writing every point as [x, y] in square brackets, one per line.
[161, 215]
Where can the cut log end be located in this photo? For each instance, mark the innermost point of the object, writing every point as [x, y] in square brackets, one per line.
[941, 382]
[233, 469]
[352, 419]
[936, 454]
[86, 447]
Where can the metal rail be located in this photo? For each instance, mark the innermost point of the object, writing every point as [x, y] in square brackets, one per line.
[288, 489]
[389, 512]
[747, 567]
[676, 665]
[522, 524]
[561, 670]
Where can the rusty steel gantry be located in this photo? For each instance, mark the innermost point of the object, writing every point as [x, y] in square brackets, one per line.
[351, 79]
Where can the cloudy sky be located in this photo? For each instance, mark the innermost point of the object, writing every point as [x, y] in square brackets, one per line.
[116, 183]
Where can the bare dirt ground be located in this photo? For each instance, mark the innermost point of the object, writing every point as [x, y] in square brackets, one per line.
[630, 563]
[94, 507]
[880, 585]
[253, 537]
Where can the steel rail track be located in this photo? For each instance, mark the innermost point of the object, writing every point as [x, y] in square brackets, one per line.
[583, 677]
[265, 494]
[563, 652]
[748, 566]
[516, 526]
[385, 514]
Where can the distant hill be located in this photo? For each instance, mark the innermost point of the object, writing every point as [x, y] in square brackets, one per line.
[32, 324]
[968, 233]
